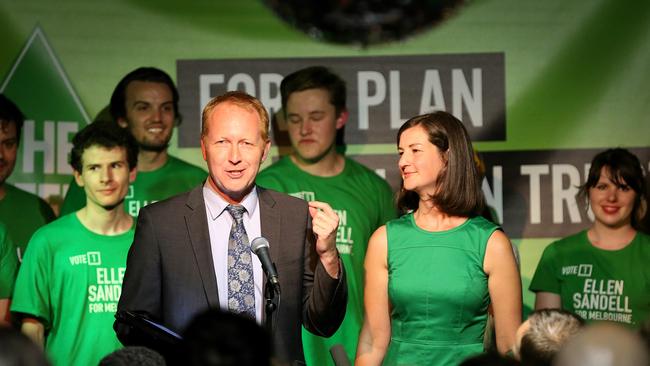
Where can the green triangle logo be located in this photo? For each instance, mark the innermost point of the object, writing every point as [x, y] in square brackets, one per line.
[37, 83]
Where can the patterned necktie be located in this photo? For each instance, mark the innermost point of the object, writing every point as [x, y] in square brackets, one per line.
[241, 291]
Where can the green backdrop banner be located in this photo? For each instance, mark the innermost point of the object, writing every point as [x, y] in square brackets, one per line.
[575, 77]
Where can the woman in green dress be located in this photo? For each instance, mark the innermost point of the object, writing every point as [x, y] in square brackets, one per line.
[431, 274]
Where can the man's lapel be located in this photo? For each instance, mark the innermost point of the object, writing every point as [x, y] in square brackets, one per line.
[197, 227]
[270, 222]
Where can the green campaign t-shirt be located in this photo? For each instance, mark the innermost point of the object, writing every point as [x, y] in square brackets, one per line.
[71, 280]
[8, 263]
[23, 213]
[363, 201]
[598, 284]
[175, 177]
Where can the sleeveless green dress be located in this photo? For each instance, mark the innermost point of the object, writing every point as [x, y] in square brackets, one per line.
[438, 292]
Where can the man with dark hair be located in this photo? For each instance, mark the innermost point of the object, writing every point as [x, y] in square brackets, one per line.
[145, 102]
[543, 334]
[35, 211]
[70, 281]
[192, 252]
[313, 103]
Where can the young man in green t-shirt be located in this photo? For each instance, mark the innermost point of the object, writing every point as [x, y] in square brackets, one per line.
[145, 102]
[313, 101]
[70, 281]
[34, 211]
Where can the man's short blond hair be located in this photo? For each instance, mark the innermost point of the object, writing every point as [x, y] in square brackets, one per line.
[242, 100]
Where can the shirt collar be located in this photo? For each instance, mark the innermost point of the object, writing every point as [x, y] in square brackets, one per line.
[217, 205]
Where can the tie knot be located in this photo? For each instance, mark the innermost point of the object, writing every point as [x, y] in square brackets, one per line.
[236, 211]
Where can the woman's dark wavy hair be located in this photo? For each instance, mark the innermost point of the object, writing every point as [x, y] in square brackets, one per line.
[624, 169]
[458, 184]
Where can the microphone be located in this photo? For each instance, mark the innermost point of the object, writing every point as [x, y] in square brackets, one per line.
[260, 246]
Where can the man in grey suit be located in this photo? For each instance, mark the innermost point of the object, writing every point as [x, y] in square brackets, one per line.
[181, 259]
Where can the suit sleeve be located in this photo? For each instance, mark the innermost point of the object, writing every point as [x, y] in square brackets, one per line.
[325, 298]
[141, 288]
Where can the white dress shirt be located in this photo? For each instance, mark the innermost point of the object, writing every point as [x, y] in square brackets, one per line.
[219, 224]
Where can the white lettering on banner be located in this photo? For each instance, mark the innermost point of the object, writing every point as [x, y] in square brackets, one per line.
[535, 172]
[244, 80]
[432, 98]
[396, 119]
[205, 81]
[267, 83]
[590, 213]
[364, 78]
[565, 180]
[461, 93]
[31, 146]
[494, 198]
[472, 99]
[568, 194]
[63, 130]
[55, 151]
[373, 89]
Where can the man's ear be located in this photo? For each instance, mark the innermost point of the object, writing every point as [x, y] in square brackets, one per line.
[77, 177]
[132, 174]
[122, 122]
[203, 152]
[342, 119]
[267, 147]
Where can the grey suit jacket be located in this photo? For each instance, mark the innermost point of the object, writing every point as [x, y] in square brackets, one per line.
[170, 273]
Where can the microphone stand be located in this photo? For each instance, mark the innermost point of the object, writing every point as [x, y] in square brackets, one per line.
[272, 303]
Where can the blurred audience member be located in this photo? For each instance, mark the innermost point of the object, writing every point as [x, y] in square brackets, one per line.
[133, 356]
[489, 359]
[541, 337]
[604, 344]
[218, 338]
[18, 350]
